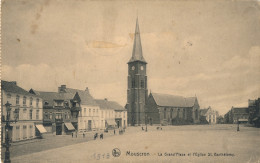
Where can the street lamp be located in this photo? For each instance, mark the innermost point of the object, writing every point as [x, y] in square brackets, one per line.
[8, 127]
[237, 124]
[146, 122]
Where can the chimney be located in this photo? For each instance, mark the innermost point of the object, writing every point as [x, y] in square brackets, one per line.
[105, 99]
[62, 88]
[87, 90]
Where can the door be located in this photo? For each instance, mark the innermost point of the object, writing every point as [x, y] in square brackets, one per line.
[58, 129]
[89, 124]
[118, 124]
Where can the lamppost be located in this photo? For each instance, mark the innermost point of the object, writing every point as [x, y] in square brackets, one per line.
[237, 124]
[8, 127]
[145, 122]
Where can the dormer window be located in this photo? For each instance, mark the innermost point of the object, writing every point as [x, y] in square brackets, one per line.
[46, 103]
[9, 95]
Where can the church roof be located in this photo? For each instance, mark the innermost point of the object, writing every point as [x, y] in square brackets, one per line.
[137, 54]
[173, 101]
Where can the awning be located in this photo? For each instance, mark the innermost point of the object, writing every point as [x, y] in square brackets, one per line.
[111, 122]
[69, 126]
[243, 120]
[41, 128]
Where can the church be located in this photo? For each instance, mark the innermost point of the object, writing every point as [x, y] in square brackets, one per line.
[157, 108]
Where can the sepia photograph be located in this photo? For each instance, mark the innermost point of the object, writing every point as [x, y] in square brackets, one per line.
[130, 81]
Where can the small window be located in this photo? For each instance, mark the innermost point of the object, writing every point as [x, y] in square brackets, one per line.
[37, 114]
[37, 102]
[66, 103]
[9, 95]
[46, 103]
[31, 101]
[17, 100]
[31, 112]
[24, 100]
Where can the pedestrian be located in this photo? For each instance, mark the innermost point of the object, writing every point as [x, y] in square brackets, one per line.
[101, 136]
[142, 128]
[114, 131]
[72, 134]
[83, 135]
[76, 134]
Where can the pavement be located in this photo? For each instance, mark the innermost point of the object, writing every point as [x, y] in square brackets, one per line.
[193, 143]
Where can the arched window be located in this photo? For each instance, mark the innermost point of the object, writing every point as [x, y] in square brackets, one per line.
[133, 83]
[142, 84]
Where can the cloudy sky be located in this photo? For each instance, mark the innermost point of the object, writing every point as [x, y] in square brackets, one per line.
[210, 49]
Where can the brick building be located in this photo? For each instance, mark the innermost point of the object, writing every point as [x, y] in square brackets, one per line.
[60, 111]
[137, 83]
[171, 110]
[254, 112]
[26, 110]
[235, 114]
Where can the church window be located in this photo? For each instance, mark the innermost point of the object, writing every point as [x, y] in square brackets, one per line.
[142, 84]
[133, 83]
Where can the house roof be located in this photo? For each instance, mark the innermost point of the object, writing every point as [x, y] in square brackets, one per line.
[173, 101]
[51, 96]
[203, 111]
[240, 110]
[85, 96]
[105, 104]
[12, 87]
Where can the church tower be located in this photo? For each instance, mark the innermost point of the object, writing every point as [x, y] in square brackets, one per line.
[137, 83]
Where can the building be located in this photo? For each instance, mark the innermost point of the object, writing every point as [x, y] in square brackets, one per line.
[210, 115]
[254, 113]
[112, 114]
[171, 110]
[137, 83]
[89, 115]
[60, 111]
[240, 114]
[26, 110]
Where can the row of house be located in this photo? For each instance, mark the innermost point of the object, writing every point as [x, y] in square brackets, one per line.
[248, 114]
[35, 112]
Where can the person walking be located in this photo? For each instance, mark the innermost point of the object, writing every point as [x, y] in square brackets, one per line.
[72, 134]
[114, 131]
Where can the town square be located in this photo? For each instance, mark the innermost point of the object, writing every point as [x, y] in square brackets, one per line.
[130, 81]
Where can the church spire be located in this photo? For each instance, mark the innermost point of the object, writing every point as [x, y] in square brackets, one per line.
[137, 54]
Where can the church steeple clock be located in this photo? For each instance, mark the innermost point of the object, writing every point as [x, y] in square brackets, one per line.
[137, 83]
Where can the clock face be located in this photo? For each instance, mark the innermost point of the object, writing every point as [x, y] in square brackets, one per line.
[133, 67]
[142, 67]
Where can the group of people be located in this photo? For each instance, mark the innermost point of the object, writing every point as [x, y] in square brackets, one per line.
[101, 136]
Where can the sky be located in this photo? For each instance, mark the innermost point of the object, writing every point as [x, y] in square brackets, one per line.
[209, 49]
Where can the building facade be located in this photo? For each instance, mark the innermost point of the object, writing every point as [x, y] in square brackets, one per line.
[171, 110]
[254, 112]
[236, 114]
[89, 114]
[112, 115]
[137, 83]
[210, 115]
[26, 110]
[60, 111]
